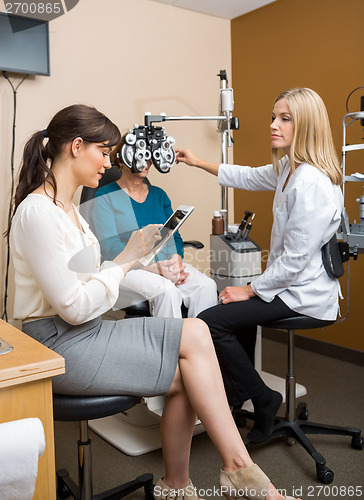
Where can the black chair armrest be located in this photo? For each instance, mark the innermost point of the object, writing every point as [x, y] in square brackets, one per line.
[193, 244]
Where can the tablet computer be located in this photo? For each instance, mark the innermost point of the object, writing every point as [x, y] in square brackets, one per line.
[168, 229]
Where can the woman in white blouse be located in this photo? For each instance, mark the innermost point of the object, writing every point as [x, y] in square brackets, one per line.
[62, 291]
[306, 214]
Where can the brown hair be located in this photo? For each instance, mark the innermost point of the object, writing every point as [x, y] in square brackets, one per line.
[74, 121]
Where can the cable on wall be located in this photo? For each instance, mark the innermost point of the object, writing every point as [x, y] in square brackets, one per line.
[14, 89]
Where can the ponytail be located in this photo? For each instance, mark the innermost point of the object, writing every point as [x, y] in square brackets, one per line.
[33, 173]
[34, 169]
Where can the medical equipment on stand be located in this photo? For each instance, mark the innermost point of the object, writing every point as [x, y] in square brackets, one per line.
[235, 258]
[353, 234]
[226, 123]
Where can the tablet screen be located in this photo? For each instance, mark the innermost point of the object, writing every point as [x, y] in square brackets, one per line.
[167, 231]
[172, 223]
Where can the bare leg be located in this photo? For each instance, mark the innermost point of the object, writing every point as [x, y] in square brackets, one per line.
[176, 444]
[203, 382]
[205, 396]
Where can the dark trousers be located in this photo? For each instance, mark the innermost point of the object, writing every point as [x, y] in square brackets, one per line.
[233, 329]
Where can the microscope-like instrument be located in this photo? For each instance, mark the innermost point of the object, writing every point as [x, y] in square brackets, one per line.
[148, 143]
[234, 258]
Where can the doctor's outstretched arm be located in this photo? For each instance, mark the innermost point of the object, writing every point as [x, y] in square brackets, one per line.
[187, 156]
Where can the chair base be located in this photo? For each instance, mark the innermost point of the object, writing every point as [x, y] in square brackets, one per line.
[66, 487]
[297, 430]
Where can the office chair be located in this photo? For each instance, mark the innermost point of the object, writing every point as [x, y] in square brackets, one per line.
[86, 204]
[295, 424]
[82, 409]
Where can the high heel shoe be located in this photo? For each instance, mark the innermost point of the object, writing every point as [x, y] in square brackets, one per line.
[163, 492]
[250, 483]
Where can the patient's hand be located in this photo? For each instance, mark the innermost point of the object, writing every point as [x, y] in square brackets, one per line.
[182, 279]
[173, 269]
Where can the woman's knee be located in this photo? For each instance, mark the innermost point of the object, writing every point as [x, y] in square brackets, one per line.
[195, 335]
[210, 285]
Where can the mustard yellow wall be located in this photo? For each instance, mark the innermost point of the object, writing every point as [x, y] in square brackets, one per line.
[307, 43]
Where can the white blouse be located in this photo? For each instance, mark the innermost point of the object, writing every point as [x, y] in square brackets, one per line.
[57, 266]
[306, 214]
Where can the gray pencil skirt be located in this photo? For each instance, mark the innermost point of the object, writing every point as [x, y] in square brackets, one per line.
[135, 356]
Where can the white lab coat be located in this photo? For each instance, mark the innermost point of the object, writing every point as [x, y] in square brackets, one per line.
[306, 214]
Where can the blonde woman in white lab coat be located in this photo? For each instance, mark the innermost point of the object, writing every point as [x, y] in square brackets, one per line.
[306, 214]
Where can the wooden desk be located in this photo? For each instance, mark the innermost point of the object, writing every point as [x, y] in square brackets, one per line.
[26, 391]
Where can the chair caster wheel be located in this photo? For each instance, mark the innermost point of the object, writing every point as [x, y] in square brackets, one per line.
[63, 490]
[302, 412]
[357, 443]
[326, 475]
[303, 415]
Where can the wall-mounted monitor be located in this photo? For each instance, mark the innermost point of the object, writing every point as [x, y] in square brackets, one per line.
[24, 45]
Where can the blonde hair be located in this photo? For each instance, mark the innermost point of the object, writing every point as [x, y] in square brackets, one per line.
[312, 139]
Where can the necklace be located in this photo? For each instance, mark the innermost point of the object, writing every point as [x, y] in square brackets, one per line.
[75, 218]
[72, 214]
